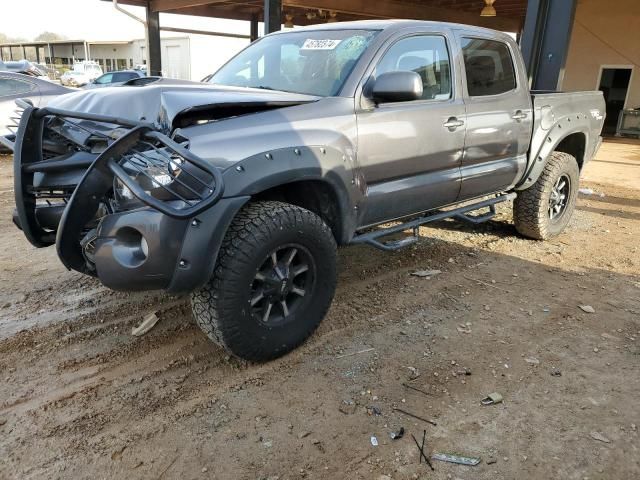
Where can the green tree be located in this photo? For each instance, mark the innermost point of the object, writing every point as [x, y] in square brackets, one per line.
[49, 37]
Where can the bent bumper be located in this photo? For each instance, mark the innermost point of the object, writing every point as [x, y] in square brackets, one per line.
[169, 241]
[146, 250]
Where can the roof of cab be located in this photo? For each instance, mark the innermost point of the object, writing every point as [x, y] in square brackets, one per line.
[395, 24]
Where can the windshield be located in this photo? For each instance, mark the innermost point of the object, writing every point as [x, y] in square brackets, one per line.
[311, 62]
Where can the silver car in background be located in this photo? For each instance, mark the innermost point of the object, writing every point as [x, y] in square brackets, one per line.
[114, 79]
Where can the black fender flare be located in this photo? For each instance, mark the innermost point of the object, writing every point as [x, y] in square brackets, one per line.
[279, 167]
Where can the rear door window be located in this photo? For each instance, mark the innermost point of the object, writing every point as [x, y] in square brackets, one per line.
[488, 66]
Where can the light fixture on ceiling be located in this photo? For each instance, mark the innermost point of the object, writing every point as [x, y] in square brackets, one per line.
[288, 20]
[488, 10]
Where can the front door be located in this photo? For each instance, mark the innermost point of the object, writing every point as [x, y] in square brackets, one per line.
[410, 152]
[499, 116]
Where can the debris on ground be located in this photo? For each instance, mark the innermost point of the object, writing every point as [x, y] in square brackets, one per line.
[464, 327]
[587, 308]
[356, 353]
[492, 399]
[415, 416]
[147, 324]
[599, 437]
[426, 273]
[421, 448]
[532, 361]
[376, 411]
[491, 460]
[586, 191]
[374, 441]
[415, 389]
[555, 372]
[398, 434]
[348, 407]
[413, 373]
[447, 457]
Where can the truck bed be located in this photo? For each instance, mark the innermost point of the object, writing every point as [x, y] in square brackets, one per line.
[571, 114]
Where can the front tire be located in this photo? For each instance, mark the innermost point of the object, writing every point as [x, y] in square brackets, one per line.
[273, 283]
[544, 209]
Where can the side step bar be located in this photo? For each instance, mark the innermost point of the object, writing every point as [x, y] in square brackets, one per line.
[461, 213]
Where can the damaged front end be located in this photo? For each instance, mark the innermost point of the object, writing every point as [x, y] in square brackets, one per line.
[119, 199]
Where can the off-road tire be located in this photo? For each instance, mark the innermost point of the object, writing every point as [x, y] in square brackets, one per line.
[531, 207]
[223, 308]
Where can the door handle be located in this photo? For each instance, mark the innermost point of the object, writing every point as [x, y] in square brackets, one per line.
[453, 123]
[519, 115]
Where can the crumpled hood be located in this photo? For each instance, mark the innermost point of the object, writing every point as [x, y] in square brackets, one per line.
[162, 102]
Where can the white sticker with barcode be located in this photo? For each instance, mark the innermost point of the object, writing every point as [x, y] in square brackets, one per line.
[310, 44]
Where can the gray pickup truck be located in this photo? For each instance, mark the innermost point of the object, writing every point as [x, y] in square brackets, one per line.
[238, 191]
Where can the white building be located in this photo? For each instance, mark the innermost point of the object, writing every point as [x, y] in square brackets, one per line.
[187, 57]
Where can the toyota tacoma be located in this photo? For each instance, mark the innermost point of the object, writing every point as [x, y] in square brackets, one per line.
[239, 190]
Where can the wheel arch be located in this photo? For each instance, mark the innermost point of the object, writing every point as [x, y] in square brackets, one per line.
[574, 144]
[572, 138]
[316, 195]
[318, 178]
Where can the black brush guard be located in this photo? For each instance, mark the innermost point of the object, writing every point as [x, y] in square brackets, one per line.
[138, 147]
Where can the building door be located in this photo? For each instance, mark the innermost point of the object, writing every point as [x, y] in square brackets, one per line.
[172, 66]
[614, 84]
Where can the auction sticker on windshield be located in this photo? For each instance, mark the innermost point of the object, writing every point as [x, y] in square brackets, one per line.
[310, 44]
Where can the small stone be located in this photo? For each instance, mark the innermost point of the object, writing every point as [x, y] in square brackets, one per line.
[204, 469]
[587, 308]
[347, 407]
[599, 437]
[532, 361]
[3, 421]
[555, 372]
[491, 460]
[426, 273]
[596, 350]
[304, 434]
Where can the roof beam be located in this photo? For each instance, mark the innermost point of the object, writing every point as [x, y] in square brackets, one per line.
[164, 5]
[388, 9]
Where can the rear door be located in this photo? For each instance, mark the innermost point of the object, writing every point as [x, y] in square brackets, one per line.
[499, 115]
[409, 152]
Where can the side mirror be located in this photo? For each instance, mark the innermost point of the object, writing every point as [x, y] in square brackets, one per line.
[402, 86]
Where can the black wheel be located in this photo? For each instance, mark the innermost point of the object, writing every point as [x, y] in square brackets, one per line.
[273, 283]
[543, 210]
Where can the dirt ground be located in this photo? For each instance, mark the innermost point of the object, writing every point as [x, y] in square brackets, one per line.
[80, 397]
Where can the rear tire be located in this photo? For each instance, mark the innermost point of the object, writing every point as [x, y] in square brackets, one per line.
[273, 283]
[544, 209]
